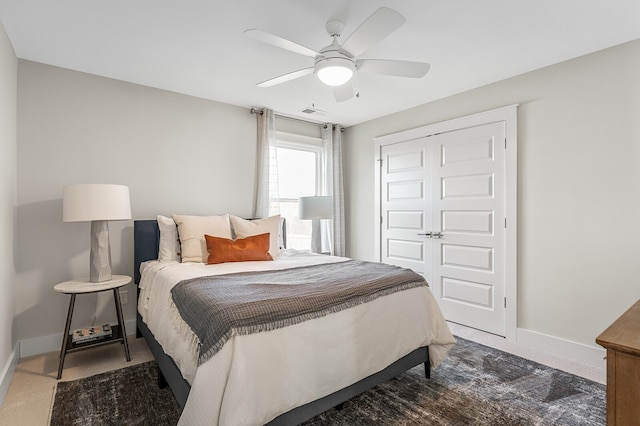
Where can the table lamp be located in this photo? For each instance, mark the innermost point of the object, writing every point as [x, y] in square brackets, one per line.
[315, 209]
[97, 203]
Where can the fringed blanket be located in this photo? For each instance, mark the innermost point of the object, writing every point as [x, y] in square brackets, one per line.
[218, 307]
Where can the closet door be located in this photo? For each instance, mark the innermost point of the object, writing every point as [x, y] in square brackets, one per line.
[442, 215]
[468, 207]
[406, 205]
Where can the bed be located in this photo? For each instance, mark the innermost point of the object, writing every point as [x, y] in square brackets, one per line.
[286, 375]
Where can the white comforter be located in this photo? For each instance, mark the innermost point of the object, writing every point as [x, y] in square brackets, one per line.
[255, 378]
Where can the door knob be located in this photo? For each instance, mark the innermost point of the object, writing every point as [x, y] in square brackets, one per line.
[427, 234]
[437, 235]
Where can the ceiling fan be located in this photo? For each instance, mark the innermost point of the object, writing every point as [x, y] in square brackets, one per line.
[336, 63]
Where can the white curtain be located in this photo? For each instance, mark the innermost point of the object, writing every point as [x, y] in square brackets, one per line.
[266, 194]
[333, 233]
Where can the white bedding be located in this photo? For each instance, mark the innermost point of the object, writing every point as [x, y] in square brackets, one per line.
[255, 378]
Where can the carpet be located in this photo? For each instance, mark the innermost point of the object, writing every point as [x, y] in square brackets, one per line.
[128, 396]
[475, 385]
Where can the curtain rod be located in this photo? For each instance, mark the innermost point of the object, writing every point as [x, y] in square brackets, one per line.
[259, 112]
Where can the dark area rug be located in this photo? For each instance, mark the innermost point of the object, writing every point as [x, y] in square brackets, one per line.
[475, 385]
[128, 396]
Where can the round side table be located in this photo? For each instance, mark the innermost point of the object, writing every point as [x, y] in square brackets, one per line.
[118, 332]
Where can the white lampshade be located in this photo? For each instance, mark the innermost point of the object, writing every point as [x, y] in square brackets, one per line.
[88, 202]
[335, 71]
[319, 207]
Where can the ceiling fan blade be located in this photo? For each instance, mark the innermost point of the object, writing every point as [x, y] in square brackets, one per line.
[280, 42]
[391, 67]
[286, 77]
[344, 92]
[383, 22]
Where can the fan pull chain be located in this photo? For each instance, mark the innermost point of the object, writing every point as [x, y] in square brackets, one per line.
[313, 91]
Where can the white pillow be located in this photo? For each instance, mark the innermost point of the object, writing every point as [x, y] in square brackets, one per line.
[191, 230]
[169, 243]
[246, 228]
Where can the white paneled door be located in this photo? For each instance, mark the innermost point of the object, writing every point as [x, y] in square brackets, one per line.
[406, 212]
[443, 215]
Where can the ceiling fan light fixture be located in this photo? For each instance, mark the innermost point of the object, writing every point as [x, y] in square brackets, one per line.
[335, 71]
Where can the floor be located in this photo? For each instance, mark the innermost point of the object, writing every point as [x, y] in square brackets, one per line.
[30, 396]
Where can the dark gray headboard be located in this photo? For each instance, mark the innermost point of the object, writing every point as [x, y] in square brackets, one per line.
[146, 242]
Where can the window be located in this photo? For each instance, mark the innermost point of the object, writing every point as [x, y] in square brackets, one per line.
[299, 171]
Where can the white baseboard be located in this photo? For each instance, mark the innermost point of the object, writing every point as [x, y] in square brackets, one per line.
[50, 343]
[40, 345]
[8, 370]
[578, 352]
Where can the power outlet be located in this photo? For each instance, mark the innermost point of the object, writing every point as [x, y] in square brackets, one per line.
[124, 297]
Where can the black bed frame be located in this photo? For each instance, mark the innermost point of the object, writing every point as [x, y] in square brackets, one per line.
[146, 244]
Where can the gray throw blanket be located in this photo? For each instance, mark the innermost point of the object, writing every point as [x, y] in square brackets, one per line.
[218, 307]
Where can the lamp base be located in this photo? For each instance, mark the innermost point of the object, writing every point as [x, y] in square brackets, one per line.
[100, 256]
[316, 236]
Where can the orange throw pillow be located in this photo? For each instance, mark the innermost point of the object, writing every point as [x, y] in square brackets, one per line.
[223, 250]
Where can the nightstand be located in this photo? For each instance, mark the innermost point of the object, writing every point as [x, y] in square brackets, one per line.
[622, 342]
[118, 335]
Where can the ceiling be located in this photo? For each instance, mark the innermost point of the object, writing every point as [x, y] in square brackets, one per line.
[197, 47]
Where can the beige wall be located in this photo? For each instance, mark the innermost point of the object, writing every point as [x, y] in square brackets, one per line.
[177, 154]
[578, 189]
[579, 167]
[8, 146]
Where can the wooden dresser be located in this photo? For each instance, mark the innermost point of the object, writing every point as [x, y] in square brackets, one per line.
[622, 341]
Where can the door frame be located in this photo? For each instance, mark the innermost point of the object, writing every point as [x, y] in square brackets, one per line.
[508, 115]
